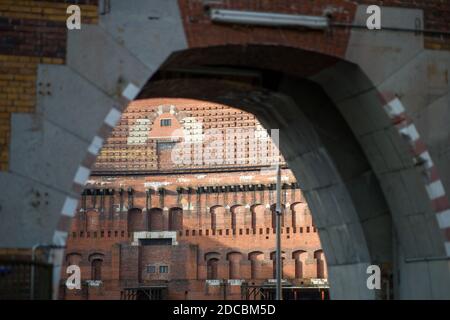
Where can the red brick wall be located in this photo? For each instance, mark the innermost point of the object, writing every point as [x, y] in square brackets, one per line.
[100, 232]
[201, 32]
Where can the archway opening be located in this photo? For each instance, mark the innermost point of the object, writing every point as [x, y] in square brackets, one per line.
[332, 125]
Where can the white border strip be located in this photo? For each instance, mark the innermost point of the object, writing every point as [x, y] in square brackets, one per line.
[113, 117]
[131, 91]
[70, 205]
[411, 132]
[435, 190]
[444, 219]
[425, 156]
[82, 175]
[96, 145]
[394, 108]
[60, 238]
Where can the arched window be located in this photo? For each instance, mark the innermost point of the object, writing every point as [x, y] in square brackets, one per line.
[211, 267]
[274, 215]
[217, 217]
[258, 211]
[73, 259]
[135, 220]
[299, 257]
[256, 259]
[321, 265]
[175, 219]
[234, 259]
[274, 263]
[96, 269]
[155, 220]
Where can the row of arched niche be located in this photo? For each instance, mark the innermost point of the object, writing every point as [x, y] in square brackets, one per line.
[298, 264]
[261, 265]
[217, 217]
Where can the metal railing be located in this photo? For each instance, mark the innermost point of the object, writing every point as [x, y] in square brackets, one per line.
[16, 281]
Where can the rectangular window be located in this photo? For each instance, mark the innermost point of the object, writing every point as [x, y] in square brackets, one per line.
[151, 269]
[166, 122]
[156, 242]
[163, 269]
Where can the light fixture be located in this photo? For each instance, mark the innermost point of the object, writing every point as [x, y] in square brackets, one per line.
[268, 19]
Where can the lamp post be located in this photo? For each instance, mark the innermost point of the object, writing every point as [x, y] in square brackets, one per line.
[279, 294]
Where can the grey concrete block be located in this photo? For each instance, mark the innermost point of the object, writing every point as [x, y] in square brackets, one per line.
[420, 82]
[386, 152]
[29, 211]
[367, 196]
[343, 80]
[45, 152]
[331, 206]
[349, 243]
[318, 167]
[99, 58]
[158, 20]
[71, 96]
[390, 49]
[378, 232]
[398, 194]
[415, 281]
[364, 113]
[440, 279]
[429, 242]
[349, 282]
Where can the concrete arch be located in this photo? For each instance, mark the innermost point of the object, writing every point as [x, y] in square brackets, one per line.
[328, 173]
[384, 198]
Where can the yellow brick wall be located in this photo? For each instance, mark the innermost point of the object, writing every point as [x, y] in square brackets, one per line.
[18, 72]
[45, 10]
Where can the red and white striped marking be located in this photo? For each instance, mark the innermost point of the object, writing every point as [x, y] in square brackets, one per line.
[96, 145]
[83, 171]
[433, 184]
[131, 91]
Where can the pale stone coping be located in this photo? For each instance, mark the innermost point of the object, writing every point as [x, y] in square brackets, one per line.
[154, 235]
[218, 282]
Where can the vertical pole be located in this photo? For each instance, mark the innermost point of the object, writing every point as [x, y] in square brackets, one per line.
[33, 258]
[224, 283]
[278, 233]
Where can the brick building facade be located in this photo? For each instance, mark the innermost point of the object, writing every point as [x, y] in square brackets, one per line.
[150, 224]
